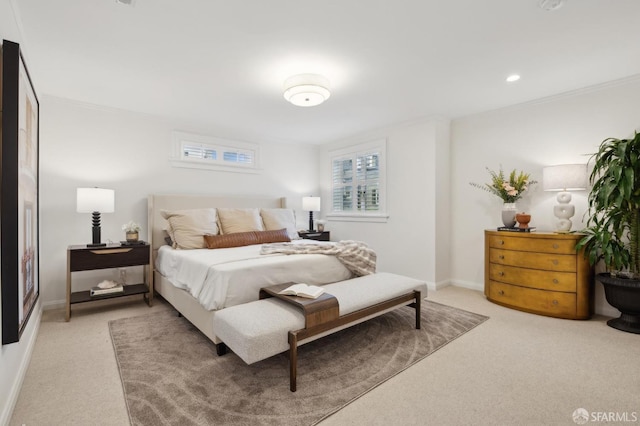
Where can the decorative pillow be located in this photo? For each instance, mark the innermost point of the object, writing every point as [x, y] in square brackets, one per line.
[240, 239]
[273, 236]
[274, 219]
[239, 220]
[186, 227]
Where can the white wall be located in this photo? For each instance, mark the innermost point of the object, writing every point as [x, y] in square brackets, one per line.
[415, 239]
[84, 145]
[560, 130]
[14, 358]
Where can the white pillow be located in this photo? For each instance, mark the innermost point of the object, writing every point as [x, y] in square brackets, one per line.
[239, 220]
[187, 227]
[275, 219]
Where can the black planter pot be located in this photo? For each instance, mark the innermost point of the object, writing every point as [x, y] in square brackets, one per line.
[624, 295]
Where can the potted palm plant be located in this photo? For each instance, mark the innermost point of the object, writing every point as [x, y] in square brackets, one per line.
[613, 227]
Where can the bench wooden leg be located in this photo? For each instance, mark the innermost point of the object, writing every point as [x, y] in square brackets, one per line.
[293, 360]
[418, 296]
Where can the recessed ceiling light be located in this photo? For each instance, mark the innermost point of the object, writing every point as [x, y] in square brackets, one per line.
[551, 4]
[126, 2]
[512, 78]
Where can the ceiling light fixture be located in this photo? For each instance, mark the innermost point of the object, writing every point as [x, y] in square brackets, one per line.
[551, 4]
[512, 78]
[306, 90]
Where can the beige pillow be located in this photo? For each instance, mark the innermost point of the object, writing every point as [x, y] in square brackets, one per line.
[275, 219]
[186, 227]
[239, 220]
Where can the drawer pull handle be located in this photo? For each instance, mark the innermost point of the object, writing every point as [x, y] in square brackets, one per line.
[555, 246]
[111, 251]
[555, 302]
[555, 261]
[555, 281]
[501, 273]
[501, 257]
[501, 292]
[501, 242]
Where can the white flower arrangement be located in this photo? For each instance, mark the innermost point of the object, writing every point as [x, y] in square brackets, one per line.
[131, 226]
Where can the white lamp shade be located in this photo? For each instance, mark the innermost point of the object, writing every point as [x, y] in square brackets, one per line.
[311, 204]
[565, 177]
[89, 200]
[306, 90]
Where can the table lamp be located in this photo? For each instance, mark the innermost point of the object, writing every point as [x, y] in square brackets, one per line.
[95, 201]
[564, 178]
[311, 204]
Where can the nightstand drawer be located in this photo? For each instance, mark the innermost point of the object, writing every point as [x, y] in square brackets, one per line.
[110, 257]
[533, 244]
[553, 303]
[533, 278]
[549, 262]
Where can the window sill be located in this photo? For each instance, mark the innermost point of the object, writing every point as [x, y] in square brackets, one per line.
[218, 167]
[361, 217]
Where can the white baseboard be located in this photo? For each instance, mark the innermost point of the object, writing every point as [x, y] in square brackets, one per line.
[468, 284]
[10, 404]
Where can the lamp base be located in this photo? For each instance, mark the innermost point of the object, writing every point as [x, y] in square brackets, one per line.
[563, 211]
[311, 222]
[96, 245]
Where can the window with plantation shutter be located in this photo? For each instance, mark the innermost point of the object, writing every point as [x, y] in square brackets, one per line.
[205, 152]
[358, 182]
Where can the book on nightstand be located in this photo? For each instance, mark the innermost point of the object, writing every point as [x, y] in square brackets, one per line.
[106, 287]
[303, 290]
[516, 229]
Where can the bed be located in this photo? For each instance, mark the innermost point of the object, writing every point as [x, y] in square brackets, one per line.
[197, 282]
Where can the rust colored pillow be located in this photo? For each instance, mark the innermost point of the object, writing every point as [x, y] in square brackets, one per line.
[239, 239]
[277, 236]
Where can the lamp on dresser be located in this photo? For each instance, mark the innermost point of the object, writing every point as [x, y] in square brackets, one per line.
[95, 201]
[311, 204]
[564, 178]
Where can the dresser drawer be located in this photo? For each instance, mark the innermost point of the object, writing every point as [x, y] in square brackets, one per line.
[533, 278]
[549, 262]
[552, 303]
[532, 244]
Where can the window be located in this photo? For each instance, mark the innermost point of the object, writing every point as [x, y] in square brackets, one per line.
[358, 182]
[205, 152]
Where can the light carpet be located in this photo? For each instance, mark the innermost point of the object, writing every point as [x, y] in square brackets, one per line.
[171, 374]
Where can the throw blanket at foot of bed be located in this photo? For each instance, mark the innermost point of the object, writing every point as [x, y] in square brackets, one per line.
[354, 255]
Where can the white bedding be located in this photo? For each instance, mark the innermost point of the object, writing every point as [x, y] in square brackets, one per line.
[226, 277]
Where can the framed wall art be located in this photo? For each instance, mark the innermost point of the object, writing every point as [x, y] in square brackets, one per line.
[19, 218]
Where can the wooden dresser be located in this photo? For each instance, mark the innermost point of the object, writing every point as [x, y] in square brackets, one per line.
[538, 272]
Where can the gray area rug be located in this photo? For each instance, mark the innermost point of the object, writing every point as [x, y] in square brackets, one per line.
[171, 374]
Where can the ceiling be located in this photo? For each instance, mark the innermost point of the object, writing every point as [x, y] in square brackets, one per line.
[221, 64]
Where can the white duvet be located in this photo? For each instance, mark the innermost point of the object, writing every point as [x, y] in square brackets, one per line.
[221, 278]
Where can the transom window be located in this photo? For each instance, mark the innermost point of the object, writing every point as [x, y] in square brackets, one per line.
[197, 151]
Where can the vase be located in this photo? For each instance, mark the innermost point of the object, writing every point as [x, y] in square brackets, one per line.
[509, 214]
[132, 237]
[523, 220]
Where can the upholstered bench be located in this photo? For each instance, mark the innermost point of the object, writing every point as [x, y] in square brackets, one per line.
[258, 330]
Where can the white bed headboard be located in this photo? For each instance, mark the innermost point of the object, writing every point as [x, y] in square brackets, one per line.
[158, 202]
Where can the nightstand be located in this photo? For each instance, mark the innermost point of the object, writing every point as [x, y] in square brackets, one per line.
[315, 235]
[83, 258]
